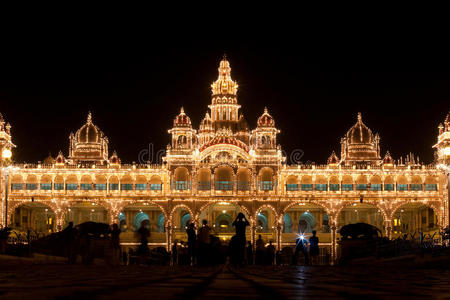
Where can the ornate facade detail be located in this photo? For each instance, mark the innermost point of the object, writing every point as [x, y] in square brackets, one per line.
[225, 168]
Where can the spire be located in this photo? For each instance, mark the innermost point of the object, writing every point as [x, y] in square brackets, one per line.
[224, 85]
[182, 110]
[89, 117]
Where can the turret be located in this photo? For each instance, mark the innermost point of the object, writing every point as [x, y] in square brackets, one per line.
[442, 147]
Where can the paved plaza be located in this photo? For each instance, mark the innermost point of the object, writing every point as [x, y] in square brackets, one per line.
[56, 280]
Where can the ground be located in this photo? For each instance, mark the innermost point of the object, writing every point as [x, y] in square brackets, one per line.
[26, 279]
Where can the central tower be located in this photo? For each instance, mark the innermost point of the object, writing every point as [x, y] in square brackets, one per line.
[224, 107]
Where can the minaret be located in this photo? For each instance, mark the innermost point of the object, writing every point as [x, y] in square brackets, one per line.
[224, 107]
[5, 141]
[443, 144]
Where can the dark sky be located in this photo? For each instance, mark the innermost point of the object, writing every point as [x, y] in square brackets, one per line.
[135, 87]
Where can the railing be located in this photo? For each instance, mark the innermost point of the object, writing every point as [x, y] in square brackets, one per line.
[223, 185]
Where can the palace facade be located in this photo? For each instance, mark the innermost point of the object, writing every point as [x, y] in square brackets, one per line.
[224, 168]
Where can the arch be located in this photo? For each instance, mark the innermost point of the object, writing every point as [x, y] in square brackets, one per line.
[361, 179]
[16, 178]
[58, 179]
[72, 179]
[307, 222]
[262, 222]
[31, 178]
[347, 179]
[160, 223]
[46, 179]
[185, 220]
[431, 180]
[126, 179]
[389, 180]
[181, 174]
[334, 180]
[243, 179]
[223, 222]
[171, 214]
[306, 179]
[214, 202]
[266, 174]
[413, 217]
[100, 179]
[416, 179]
[375, 179]
[141, 219]
[113, 179]
[86, 179]
[287, 223]
[155, 179]
[84, 211]
[204, 175]
[141, 179]
[369, 213]
[292, 179]
[320, 179]
[36, 216]
[270, 207]
[401, 179]
[223, 173]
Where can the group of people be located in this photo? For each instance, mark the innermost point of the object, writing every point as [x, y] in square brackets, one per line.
[202, 247]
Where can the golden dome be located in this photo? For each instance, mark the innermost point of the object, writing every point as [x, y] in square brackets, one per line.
[89, 133]
[182, 120]
[266, 120]
[359, 133]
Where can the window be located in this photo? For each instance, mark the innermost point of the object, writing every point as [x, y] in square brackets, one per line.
[375, 187]
[291, 187]
[334, 186]
[31, 186]
[347, 187]
[430, 187]
[224, 185]
[402, 187]
[113, 186]
[126, 186]
[321, 187]
[307, 187]
[361, 186]
[71, 186]
[141, 186]
[416, 187]
[266, 185]
[156, 186]
[17, 186]
[59, 186]
[204, 185]
[86, 186]
[243, 186]
[389, 187]
[100, 186]
[180, 185]
[46, 186]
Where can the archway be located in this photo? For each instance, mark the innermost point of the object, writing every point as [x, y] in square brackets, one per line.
[35, 216]
[362, 213]
[148, 214]
[287, 223]
[220, 216]
[141, 219]
[266, 223]
[413, 218]
[86, 211]
[306, 217]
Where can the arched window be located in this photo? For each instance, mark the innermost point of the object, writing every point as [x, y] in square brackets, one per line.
[292, 183]
[181, 179]
[243, 178]
[266, 176]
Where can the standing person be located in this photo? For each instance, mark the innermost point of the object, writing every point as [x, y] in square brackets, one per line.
[314, 248]
[270, 253]
[143, 250]
[301, 244]
[115, 244]
[175, 253]
[260, 248]
[249, 253]
[69, 235]
[191, 243]
[240, 223]
[203, 242]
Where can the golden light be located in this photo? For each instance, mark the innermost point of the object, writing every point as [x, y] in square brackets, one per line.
[447, 151]
[6, 154]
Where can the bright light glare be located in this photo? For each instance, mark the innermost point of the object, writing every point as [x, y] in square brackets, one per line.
[6, 154]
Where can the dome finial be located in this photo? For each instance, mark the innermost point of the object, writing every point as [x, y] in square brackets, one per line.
[224, 57]
[359, 117]
[89, 117]
[182, 110]
[265, 110]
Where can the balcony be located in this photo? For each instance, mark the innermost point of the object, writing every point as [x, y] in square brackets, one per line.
[223, 185]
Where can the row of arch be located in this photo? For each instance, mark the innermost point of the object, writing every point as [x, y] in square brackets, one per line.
[361, 179]
[223, 173]
[88, 179]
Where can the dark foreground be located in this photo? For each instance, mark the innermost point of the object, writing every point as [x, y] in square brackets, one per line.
[44, 280]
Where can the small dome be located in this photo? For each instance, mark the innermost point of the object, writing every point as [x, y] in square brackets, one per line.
[49, 160]
[206, 122]
[359, 133]
[60, 158]
[333, 159]
[225, 139]
[388, 159]
[89, 133]
[114, 159]
[182, 120]
[266, 120]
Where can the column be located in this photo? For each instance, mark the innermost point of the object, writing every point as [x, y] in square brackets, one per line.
[169, 238]
[279, 227]
[388, 229]
[333, 244]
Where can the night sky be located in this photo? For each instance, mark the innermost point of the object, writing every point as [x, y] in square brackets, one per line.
[135, 87]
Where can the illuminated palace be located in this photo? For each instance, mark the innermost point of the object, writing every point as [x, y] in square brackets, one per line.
[224, 168]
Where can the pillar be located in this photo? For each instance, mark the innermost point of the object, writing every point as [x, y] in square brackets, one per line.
[388, 229]
[279, 227]
[333, 244]
[169, 237]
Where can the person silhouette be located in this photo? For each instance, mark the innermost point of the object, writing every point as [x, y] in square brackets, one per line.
[143, 249]
[191, 243]
[259, 253]
[203, 241]
[300, 246]
[314, 247]
[240, 224]
[115, 244]
[270, 253]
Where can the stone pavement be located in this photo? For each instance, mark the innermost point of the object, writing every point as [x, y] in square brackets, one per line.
[24, 280]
